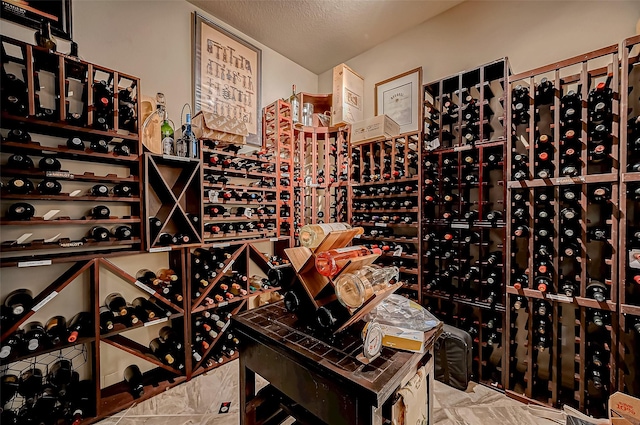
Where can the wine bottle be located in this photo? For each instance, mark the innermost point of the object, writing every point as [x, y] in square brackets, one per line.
[123, 232]
[518, 302]
[99, 190]
[169, 336]
[18, 302]
[569, 288]
[600, 194]
[166, 136]
[597, 290]
[49, 163]
[21, 211]
[328, 263]
[107, 318]
[30, 382]
[34, 335]
[312, 234]
[123, 190]
[56, 329]
[521, 281]
[80, 325]
[99, 234]
[20, 186]
[545, 92]
[116, 303]
[543, 283]
[43, 36]
[49, 187]
[161, 351]
[330, 316]
[60, 373]
[133, 377]
[353, 289]
[20, 162]
[12, 345]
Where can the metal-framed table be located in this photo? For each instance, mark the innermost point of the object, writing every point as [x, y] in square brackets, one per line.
[318, 380]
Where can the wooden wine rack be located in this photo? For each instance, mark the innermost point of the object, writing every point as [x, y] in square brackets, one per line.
[629, 293]
[319, 290]
[320, 149]
[62, 75]
[455, 166]
[173, 195]
[380, 157]
[572, 333]
[113, 398]
[278, 137]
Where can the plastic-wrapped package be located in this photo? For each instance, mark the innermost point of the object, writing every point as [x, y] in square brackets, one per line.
[396, 310]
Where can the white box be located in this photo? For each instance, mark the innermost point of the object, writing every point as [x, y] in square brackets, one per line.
[348, 92]
[379, 127]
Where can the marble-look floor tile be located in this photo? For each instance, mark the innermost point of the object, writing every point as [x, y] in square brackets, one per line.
[197, 403]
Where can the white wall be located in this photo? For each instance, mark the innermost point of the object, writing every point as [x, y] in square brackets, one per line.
[152, 40]
[530, 33]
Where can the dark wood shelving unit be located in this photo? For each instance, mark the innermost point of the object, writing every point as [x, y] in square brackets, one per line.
[545, 186]
[391, 165]
[629, 287]
[463, 211]
[48, 118]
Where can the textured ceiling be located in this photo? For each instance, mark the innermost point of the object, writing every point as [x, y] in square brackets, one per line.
[319, 34]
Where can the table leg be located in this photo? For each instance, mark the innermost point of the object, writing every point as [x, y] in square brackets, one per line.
[429, 369]
[247, 393]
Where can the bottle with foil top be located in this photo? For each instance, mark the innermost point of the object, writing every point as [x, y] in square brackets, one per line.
[353, 289]
[312, 234]
[329, 263]
[295, 106]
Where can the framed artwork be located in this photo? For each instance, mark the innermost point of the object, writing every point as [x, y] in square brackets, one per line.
[399, 97]
[227, 76]
[30, 13]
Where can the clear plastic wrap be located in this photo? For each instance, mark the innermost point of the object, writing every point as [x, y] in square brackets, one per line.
[399, 311]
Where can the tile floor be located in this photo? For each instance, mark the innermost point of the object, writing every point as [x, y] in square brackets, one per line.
[198, 402]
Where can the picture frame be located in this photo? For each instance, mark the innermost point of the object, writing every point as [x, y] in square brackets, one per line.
[227, 76]
[30, 13]
[399, 98]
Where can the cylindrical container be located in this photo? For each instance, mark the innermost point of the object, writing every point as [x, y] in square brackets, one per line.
[307, 114]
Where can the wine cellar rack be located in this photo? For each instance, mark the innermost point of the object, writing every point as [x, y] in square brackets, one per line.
[242, 194]
[173, 201]
[278, 137]
[629, 288]
[385, 201]
[96, 110]
[463, 224]
[563, 208]
[320, 175]
[174, 307]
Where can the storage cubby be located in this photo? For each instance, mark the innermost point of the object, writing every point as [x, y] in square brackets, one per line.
[173, 201]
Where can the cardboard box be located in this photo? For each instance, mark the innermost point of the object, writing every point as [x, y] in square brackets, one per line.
[348, 92]
[402, 338]
[229, 131]
[624, 409]
[380, 127]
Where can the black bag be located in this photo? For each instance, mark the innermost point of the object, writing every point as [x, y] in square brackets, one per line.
[453, 357]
